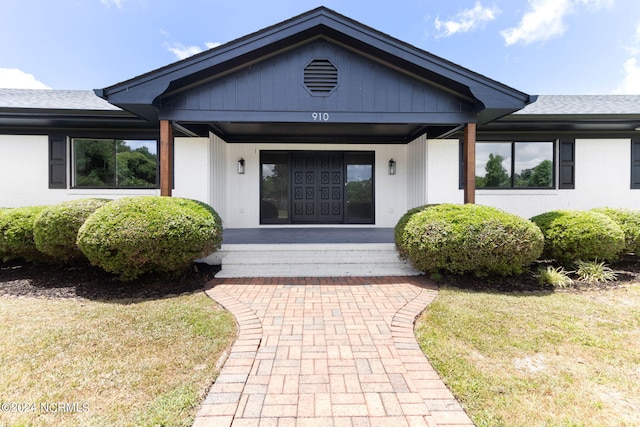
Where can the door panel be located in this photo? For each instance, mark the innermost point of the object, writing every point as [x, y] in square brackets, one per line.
[318, 181]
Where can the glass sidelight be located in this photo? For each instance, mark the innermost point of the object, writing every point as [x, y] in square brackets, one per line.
[274, 187]
[359, 188]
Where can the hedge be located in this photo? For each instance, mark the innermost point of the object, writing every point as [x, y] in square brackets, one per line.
[470, 239]
[573, 235]
[56, 228]
[16, 233]
[137, 235]
[629, 221]
[402, 223]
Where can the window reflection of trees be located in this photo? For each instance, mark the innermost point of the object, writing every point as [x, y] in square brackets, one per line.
[360, 188]
[500, 171]
[275, 191]
[115, 163]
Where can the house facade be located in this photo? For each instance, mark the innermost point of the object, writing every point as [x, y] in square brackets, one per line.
[315, 121]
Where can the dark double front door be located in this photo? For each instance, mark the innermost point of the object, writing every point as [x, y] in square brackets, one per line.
[317, 187]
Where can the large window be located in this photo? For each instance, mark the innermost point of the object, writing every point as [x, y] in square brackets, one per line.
[115, 163]
[514, 165]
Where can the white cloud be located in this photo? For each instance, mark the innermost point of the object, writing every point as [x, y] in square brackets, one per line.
[13, 78]
[545, 19]
[636, 35]
[109, 3]
[467, 20]
[594, 5]
[631, 83]
[181, 51]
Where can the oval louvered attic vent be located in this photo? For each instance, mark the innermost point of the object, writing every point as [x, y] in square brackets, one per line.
[320, 77]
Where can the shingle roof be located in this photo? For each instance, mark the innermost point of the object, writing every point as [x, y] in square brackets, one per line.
[54, 100]
[544, 105]
[583, 105]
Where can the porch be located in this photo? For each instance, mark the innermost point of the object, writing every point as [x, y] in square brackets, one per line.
[309, 252]
[317, 235]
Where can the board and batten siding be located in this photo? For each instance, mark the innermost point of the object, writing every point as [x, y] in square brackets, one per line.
[219, 175]
[276, 85]
[417, 184]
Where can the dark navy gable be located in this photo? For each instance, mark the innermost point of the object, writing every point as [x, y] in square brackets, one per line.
[277, 85]
[386, 90]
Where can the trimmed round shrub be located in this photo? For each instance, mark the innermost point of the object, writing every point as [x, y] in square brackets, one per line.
[56, 228]
[137, 235]
[629, 221]
[3, 252]
[402, 223]
[572, 235]
[16, 233]
[471, 239]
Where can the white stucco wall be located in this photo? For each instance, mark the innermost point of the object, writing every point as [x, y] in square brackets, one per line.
[443, 172]
[206, 170]
[24, 171]
[192, 168]
[24, 175]
[243, 191]
[602, 179]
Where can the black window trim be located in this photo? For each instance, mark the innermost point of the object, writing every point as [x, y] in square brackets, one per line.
[71, 163]
[555, 160]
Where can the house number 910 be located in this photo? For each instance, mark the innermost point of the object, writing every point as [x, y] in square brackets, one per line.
[320, 117]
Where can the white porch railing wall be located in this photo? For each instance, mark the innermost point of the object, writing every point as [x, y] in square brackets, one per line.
[417, 172]
[219, 175]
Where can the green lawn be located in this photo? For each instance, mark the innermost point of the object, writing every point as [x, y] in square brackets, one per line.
[538, 359]
[121, 363]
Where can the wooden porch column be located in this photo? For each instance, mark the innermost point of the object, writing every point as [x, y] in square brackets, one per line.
[166, 158]
[470, 163]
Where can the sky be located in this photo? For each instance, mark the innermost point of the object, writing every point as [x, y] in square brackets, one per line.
[558, 47]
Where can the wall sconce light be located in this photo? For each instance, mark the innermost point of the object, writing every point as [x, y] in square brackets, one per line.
[392, 167]
[241, 166]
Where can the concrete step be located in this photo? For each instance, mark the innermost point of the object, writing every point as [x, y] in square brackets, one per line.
[310, 260]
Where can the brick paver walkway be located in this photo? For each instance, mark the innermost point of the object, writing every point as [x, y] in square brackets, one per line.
[327, 352]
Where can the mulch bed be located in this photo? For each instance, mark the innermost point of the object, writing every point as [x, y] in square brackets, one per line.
[82, 281]
[627, 270]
